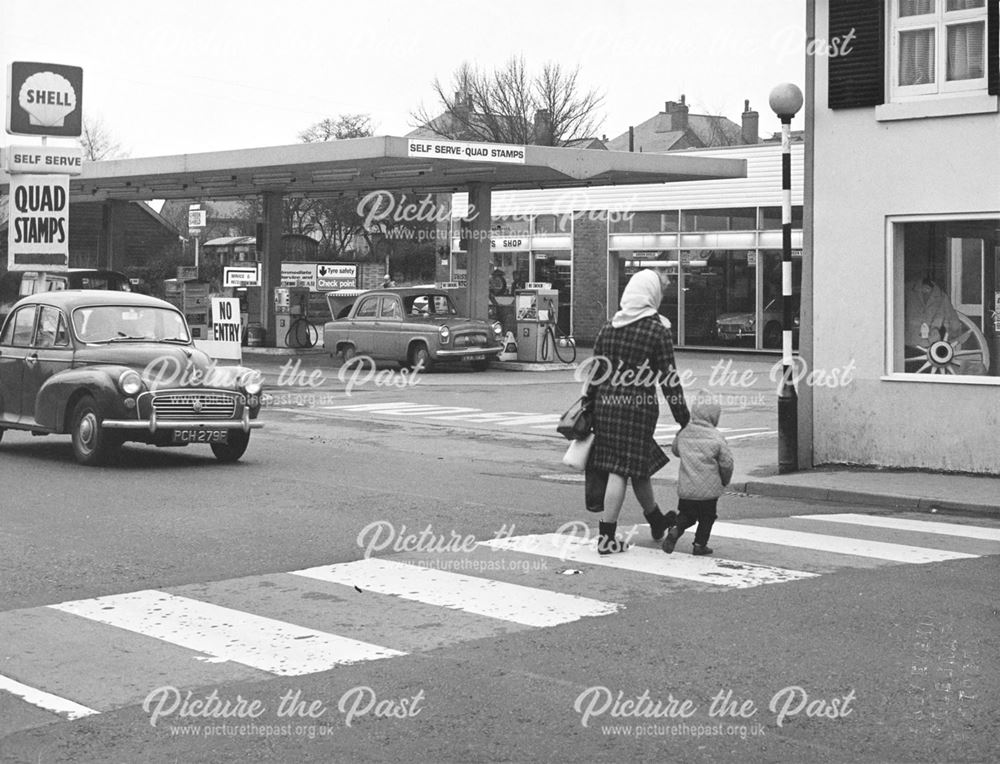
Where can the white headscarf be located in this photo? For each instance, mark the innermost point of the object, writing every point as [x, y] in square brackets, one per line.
[641, 298]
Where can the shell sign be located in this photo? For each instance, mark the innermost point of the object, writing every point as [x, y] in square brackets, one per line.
[44, 99]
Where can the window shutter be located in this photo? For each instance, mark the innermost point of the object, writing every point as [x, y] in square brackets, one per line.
[992, 45]
[857, 78]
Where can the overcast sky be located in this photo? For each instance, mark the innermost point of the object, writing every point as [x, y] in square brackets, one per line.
[183, 77]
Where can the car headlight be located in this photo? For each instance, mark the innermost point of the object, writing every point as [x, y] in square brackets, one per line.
[497, 330]
[749, 325]
[253, 387]
[129, 382]
[445, 334]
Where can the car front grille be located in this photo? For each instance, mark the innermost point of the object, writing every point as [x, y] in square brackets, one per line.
[194, 405]
[472, 340]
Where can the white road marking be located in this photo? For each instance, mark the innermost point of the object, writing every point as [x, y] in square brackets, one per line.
[480, 596]
[709, 570]
[45, 700]
[906, 524]
[837, 544]
[252, 640]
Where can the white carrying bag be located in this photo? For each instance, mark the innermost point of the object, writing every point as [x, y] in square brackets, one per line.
[578, 452]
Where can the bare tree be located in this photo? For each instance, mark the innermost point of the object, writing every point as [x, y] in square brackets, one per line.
[338, 129]
[98, 142]
[509, 105]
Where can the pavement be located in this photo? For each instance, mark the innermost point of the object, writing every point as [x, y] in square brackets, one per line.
[757, 471]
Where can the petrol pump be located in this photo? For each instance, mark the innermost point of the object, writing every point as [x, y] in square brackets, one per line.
[290, 303]
[535, 307]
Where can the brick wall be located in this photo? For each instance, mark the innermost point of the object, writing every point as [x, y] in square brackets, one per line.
[590, 279]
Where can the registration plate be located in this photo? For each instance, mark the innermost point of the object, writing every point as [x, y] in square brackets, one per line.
[475, 358]
[201, 436]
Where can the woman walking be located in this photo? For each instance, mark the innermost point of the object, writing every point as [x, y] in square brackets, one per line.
[633, 356]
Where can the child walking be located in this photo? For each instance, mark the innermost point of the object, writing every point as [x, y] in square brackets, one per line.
[706, 467]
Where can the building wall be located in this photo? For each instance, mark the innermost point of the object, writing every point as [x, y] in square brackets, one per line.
[866, 170]
[590, 276]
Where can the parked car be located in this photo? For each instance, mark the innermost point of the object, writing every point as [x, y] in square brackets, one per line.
[414, 326]
[17, 284]
[109, 367]
[737, 327]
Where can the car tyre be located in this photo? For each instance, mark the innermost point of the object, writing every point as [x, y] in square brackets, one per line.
[348, 353]
[93, 446]
[230, 452]
[419, 356]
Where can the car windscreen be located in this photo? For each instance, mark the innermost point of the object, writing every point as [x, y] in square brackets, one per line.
[428, 305]
[124, 323]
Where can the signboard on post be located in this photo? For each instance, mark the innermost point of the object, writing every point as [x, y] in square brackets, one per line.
[241, 275]
[44, 99]
[331, 276]
[38, 222]
[40, 160]
[196, 218]
[224, 336]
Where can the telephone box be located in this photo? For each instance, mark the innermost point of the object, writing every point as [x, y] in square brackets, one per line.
[536, 307]
[290, 303]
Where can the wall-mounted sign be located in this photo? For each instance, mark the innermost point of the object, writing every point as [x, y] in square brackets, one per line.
[241, 276]
[44, 99]
[40, 160]
[538, 285]
[474, 152]
[38, 222]
[510, 243]
[336, 276]
[298, 274]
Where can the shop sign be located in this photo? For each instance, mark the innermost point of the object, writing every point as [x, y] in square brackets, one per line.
[38, 222]
[240, 276]
[449, 285]
[646, 254]
[44, 99]
[336, 276]
[45, 160]
[538, 285]
[298, 274]
[509, 244]
[469, 151]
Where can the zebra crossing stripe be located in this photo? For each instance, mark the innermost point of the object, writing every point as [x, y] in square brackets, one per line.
[905, 524]
[881, 550]
[45, 700]
[709, 570]
[479, 596]
[232, 635]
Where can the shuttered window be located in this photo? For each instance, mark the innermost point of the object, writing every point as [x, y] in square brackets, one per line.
[857, 78]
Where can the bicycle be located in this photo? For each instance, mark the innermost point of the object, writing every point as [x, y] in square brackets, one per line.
[302, 334]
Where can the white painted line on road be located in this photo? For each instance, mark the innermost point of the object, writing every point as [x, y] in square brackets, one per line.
[479, 596]
[45, 700]
[905, 524]
[233, 635]
[431, 411]
[709, 570]
[752, 435]
[374, 407]
[836, 544]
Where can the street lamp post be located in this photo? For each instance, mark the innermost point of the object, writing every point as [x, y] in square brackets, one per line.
[785, 100]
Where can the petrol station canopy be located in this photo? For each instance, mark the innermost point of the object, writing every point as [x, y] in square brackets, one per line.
[357, 165]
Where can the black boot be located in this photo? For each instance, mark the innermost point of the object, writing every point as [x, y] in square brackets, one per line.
[607, 543]
[659, 522]
[671, 539]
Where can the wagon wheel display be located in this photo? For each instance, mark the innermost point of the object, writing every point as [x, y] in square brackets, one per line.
[947, 356]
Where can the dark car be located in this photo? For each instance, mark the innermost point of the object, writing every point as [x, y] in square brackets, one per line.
[414, 326]
[17, 284]
[736, 327]
[108, 367]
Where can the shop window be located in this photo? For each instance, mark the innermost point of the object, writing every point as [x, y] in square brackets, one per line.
[646, 222]
[733, 219]
[719, 295]
[946, 297]
[937, 47]
[770, 218]
[669, 305]
[772, 309]
[552, 223]
[510, 225]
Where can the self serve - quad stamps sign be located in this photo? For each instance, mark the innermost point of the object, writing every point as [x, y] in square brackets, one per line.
[44, 99]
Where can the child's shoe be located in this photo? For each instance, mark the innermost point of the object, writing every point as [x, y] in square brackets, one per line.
[701, 549]
[659, 522]
[670, 541]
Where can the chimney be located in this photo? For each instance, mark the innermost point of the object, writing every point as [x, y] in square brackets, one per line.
[678, 114]
[543, 128]
[631, 138]
[751, 125]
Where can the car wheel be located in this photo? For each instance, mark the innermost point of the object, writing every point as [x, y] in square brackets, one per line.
[1, 433]
[92, 444]
[234, 449]
[772, 335]
[348, 353]
[420, 356]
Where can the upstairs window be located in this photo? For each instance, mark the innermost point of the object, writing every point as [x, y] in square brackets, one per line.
[937, 47]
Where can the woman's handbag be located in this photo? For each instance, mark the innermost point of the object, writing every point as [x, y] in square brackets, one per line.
[578, 421]
[578, 452]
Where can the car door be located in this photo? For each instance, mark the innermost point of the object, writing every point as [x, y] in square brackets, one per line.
[15, 347]
[388, 336]
[49, 354]
[362, 329]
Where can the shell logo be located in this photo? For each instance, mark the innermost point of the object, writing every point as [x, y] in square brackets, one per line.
[48, 98]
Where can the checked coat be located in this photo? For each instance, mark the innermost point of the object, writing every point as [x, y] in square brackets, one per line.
[641, 358]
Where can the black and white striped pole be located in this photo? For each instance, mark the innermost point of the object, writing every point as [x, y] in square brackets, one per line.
[785, 100]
